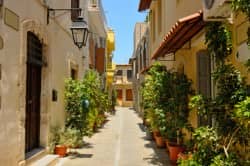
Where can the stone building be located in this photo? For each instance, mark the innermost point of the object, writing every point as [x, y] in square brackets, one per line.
[37, 54]
[140, 61]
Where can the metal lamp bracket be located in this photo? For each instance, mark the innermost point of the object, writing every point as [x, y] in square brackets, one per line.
[49, 10]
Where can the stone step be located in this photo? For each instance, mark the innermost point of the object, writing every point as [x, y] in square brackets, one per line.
[48, 160]
[34, 155]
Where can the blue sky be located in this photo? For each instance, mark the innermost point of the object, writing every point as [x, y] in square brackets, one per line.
[122, 16]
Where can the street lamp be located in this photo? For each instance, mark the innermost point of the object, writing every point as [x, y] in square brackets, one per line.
[79, 27]
[80, 32]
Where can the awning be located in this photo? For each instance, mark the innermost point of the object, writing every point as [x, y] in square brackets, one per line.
[144, 5]
[184, 29]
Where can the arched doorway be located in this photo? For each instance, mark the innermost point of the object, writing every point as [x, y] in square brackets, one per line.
[33, 91]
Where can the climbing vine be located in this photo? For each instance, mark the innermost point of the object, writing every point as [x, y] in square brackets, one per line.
[244, 7]
[219, 41]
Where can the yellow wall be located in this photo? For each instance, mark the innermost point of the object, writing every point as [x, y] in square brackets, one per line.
[239, 29]
[171, 11]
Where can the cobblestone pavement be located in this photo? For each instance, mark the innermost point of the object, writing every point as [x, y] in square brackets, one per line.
[121, 142]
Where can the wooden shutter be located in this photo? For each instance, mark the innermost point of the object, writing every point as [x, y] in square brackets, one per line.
[129, 95]
[204, 82]
[204, 74]
[75, 13]
[119, 94]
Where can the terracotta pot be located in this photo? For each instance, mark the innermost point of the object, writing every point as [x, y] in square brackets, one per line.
[160, 142]
[174, 150]
[167, 142]
[61, 150]
[155, 134]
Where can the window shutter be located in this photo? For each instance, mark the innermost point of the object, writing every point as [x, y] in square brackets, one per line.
[204, 82]
[204, 74]
[119, 94]
[129, 95]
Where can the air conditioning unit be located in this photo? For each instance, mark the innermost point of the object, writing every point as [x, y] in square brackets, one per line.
[217, 10]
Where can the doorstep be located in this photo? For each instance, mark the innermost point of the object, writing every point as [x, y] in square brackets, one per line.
[34, 155]
[39, 157]
[48, 160]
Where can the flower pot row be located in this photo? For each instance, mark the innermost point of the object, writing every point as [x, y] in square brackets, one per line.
[172, 148]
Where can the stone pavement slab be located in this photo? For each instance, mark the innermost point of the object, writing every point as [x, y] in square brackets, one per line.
[121, 142]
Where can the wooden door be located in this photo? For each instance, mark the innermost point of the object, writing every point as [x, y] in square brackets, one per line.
[33, 91]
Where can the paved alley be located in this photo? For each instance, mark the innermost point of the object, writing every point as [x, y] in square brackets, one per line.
[121, 142]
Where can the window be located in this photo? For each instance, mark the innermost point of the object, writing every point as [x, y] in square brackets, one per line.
[119, 73]
[73, 74]
[75, 13]
[144, 55]
[129, 95]
[129, 74]
[159, 16]
[153, 25]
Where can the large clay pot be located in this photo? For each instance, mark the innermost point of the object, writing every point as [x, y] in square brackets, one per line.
[156, 134]
[174, 150]
[160, 142]
[61, 150]
[167, 142]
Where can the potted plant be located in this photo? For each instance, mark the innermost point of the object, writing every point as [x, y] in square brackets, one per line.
[177, 113]
[61, 146]
[58, 141]
[74, 138]
[161, 125]
[148, 117]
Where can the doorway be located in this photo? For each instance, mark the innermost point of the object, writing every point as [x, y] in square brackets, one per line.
[33, 92]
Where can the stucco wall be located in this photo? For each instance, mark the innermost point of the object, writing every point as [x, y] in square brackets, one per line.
[121, 82]
[171, 12]
[60, 54]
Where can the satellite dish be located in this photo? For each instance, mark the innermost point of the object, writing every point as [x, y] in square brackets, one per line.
[208, 3]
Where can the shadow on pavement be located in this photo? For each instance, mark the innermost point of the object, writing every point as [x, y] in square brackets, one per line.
[75, 155]
[141, 126]
[87, 145]
[159, 157]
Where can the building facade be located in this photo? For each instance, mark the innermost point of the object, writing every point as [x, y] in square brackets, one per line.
[110, 66]
[177, 39]
[140, 61]
[37, 55]
[123, 85]
[97, 37]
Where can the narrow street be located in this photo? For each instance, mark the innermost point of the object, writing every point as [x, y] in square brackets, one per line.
[121, 142]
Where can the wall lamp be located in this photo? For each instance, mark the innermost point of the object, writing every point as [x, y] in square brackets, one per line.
[79, 28]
